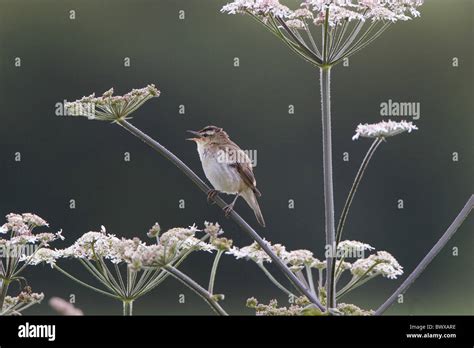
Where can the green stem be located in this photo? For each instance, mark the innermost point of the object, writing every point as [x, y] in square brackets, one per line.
[355, 186]
[206, 296]
[356, 281]
[328, 181]
[26, 262]
[299, 42]
[326, 38]
[214, 271]
[430, 256]
[355, 285]
[127, 307]
[85, 284]
[3, 292]
[274, 281]
[97, 275]
[309, 273]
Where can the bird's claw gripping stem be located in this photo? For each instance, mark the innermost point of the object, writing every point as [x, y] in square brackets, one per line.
[211, 194]
[228, 209]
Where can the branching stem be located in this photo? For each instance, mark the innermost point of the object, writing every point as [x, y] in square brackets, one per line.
[429, 257]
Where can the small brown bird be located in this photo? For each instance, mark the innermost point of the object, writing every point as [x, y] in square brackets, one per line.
[227, 167]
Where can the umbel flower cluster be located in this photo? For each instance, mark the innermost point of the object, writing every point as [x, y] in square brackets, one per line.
[20, 243]
[340, 11]
[382, 263]
[109, 107]
[135, 253]
[14, 305]
[346, 26]
[19, 228]
[383, 129]
[301, 306]
[146, 265]
[303, 263]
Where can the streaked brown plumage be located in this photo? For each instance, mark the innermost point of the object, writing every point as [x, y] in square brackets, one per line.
[227, 167]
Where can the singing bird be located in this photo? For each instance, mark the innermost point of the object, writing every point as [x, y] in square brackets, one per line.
[227, 167]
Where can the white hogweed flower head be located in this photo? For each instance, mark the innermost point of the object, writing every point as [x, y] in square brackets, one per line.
[383, 129]
[180, 239]
[45, 255]
[33, 220]
[361, 10]
[320, 265]
[91, 246]
[109, 107]
[22, 224]
[255, 252]
[257, 7]
[299, 258]
[222, 243]
[43, 239]
[302, 13]
[170, 246]
[13, 305]
[352, 248]
[295, 24]
[343, 265]
[22, 242]
[350, 309]
[134, 252]
[340, 11]
[23, 248]
[337, 15]
[326, 16]
[382, 263]
[154, 231]
[212, 229]
[25, 297]
[273, 309]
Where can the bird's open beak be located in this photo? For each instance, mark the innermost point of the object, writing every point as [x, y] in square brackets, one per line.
[198, 136]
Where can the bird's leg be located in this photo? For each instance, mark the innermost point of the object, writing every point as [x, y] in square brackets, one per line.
[228, 208]
[211, 194]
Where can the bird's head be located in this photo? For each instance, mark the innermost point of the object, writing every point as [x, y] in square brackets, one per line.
[209, 135]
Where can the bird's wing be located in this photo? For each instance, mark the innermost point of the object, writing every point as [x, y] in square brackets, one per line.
[243, 164]
[246, 173]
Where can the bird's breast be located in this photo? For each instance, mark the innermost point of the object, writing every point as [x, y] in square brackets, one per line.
[221, 175]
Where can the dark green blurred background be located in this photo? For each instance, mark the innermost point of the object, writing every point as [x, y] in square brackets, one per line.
[191, 61]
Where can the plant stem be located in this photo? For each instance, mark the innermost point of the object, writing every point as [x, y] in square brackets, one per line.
[350, 197]
[273, 280]
[221, 203]
[183, 278]
[3, 292]
[214, 271]
[84, 284]
[309, 272]
[355, 186]
[328, 180]
[127, 307]
[430, 256]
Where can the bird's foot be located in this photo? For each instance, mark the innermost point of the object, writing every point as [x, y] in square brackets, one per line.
[211, 194]
[228, 209]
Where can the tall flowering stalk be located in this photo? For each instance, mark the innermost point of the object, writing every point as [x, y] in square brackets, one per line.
[325, 32]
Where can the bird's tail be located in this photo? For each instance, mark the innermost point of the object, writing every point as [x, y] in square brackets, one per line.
[251, 200]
